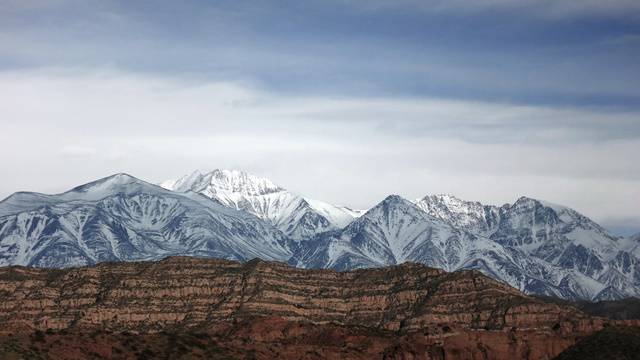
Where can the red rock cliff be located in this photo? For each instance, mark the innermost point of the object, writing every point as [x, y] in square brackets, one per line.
[418, 311]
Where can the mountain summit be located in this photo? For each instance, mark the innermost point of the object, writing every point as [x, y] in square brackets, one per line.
[233, 183]
[294, 215]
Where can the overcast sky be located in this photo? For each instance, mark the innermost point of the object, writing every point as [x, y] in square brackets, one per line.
[343, 101]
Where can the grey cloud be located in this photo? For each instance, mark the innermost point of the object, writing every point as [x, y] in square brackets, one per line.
[547, 8]
[352, 151]
[318, 49]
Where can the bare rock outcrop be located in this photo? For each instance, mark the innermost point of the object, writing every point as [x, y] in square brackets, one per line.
[412, 311]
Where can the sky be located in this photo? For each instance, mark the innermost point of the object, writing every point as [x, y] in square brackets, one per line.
[342, 101]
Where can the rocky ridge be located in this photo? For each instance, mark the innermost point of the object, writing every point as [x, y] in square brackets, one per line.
[409, 308]
[192, 292]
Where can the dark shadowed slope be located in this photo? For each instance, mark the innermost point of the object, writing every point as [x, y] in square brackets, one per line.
[616, 343]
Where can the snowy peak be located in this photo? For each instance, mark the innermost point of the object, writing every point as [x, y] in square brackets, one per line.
[524, 204]
[294, 215]
[394, 200]
[546, 210]
[526, 221]
[95, 190]
[110, 184]
[467, 215]
[558, 226]
[240, 181]
[528, 212]
[393, 211]
[446, 199]
[223, 181]
[390, 231]
[395, 204]
[444, 206]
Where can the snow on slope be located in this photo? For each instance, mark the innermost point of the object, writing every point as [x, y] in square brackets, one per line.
[471, 216]
[529, 245]
[121, 218]
[296, 216]
[631, 244]
[536, 246]
[529, 224]
[396, 231]
[557, 235]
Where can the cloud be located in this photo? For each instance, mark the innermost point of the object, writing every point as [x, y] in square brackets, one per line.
[77, 151]
[553, 9]
[464, 50]
[67, 126]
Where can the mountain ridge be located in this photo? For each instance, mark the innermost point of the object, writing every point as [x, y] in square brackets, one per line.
[535, 246]
[123, 218]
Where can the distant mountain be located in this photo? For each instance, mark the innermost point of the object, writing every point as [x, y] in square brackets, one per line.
[296, 216]
[537, 227]
[605, 266]
[392, 232]
[534, 246]
[121, 218]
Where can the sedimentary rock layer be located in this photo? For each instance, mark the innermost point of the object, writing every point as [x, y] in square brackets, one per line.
[193, 292]
[406, 309]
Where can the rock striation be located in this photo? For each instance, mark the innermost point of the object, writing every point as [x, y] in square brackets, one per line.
[405, 309]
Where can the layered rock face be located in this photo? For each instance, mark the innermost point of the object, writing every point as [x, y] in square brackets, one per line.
[191, 292]
[406, 309]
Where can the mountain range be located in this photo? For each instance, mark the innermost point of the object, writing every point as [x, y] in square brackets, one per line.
[121, 218]
[535, 246]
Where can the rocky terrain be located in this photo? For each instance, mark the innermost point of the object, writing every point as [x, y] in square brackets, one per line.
[271, 310]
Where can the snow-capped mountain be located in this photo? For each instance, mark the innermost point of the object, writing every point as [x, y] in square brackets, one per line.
[296, 216]
[536, 246]
[392, 232]
[536, 227]
[121, 218]
[397, 230]
[557, 235]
